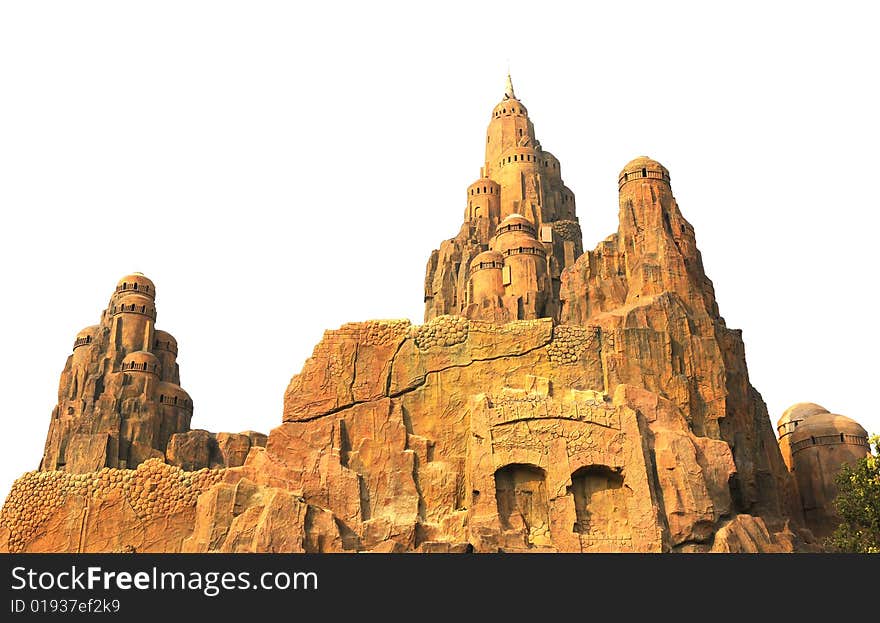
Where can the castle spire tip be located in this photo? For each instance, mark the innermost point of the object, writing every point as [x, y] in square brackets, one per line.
[508, 91]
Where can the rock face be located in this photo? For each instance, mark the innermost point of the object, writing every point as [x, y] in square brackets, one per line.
[646, 289]
[606, 407]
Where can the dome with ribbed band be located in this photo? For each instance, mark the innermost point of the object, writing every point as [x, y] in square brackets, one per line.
[642, 168]
[136, 283]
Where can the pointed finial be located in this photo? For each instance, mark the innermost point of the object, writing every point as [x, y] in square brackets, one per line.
[508, 91]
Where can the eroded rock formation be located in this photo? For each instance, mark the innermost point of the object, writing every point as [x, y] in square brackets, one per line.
[604, 406]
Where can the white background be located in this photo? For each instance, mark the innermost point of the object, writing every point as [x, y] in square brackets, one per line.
[279, 168]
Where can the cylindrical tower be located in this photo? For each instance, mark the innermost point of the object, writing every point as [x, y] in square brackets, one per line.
[550, 167]
[136, 283]
[520, 191]
[79, 364]
[485, 277]
[483, 201]
[525, 266]
[141, 362]
[509, 127]
[165, 348]
[177, 409]
[642, 170]
[82, 346]
[791, 419]
[820, 444]
[133, 317]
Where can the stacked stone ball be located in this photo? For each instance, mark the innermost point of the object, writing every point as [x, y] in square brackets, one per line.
[569, 342]
[440, 331]
[567, 230]
[379, 332]
[154, 489]
[31, 502]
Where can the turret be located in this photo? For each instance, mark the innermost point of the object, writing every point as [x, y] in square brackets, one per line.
[643, 170]
[483, 201]
[141, 362]
[165, 348]
[550, 167]
[525, 267]
[485, 277]
[133, 318]
[815, 445]
[82, 345]
[517, 172]
[509, 127]
[176, 407]
[136, 283]
[791, 419]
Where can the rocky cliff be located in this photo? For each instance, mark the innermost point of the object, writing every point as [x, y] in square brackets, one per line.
[629, 426]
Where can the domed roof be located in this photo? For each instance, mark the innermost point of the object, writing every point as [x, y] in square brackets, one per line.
[162, 340]
[510, 105]
[86, 336]
[511, 219]
[487, 257]
[141, 361]
[172, 388]
[824, 424]
[799, 412]
[485, 181]
[517, 239]
[642, 167]
[174, 395]
[88, 331]
[136, 303]
[137, 282]
[643, 162]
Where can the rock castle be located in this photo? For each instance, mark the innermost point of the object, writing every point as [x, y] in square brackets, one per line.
[553, 401]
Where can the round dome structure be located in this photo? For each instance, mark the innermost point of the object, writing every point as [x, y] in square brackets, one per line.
[509, 106]
[484, 186]
[516, 234]
[641, 168]
[141, 361]
[162, 340]
[797, 413]
[486, 260]
[174, 396]
[86, 336]
[137, 283]
[134, 304]
[830, 427]
[515, 242]
[515, 222]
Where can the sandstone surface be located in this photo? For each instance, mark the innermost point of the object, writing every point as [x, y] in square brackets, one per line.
[553, 401]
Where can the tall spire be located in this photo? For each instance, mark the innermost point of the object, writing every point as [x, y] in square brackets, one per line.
[508, 91]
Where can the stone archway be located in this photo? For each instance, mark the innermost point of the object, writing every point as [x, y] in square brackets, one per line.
[523, 506]
[601, 503]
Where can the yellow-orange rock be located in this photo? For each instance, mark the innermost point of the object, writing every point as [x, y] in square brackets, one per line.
[613, 413]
